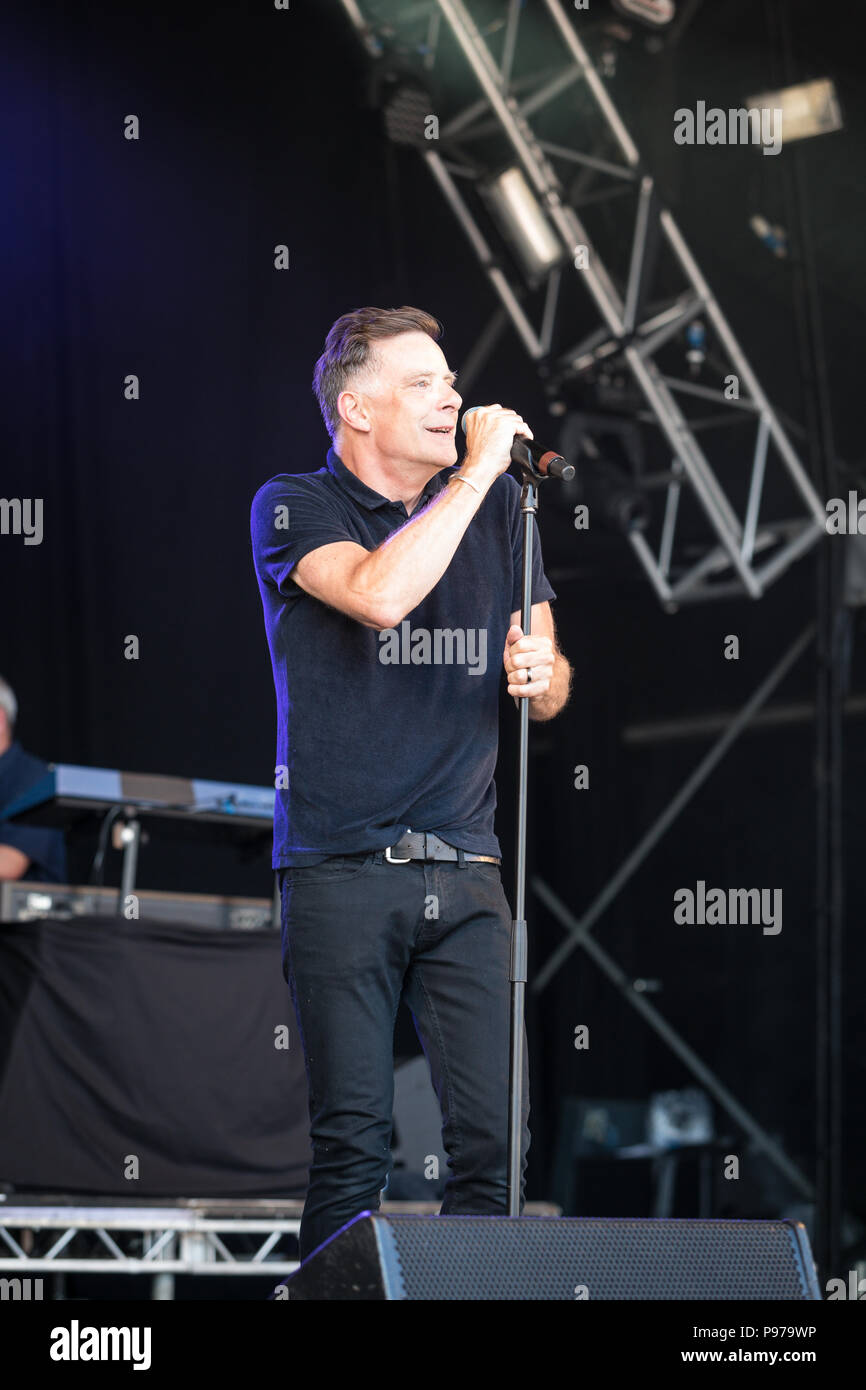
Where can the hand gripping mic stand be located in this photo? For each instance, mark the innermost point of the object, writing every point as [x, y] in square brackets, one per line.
[532, 475]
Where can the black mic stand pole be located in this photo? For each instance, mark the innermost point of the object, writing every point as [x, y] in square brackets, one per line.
[528, 507]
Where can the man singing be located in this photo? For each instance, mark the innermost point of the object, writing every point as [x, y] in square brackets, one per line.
[387, 579]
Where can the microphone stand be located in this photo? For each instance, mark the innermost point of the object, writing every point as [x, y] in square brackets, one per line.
[529, 508]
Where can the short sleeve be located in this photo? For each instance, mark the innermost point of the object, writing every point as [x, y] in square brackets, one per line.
[290, 516]
[542, 589]
[45, 849]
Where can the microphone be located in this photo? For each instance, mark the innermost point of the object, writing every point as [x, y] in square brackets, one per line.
[527, 453]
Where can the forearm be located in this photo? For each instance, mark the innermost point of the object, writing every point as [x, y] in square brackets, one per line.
[555, 698]
[13, 863]
[398, 574]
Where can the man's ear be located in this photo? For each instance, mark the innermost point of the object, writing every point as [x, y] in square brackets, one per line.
[353, 412]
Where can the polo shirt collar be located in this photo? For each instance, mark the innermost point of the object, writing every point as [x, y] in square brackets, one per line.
[366, 496]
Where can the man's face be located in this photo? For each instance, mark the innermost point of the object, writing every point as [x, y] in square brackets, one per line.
[411, 402]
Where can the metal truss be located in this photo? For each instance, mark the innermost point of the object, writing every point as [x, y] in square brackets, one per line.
[196, 1238]
[539, 64]
[579, 929]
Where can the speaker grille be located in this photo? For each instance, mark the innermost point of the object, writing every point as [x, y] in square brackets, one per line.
[480, 1257]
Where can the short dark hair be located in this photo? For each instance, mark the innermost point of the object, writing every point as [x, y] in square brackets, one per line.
[349, 350]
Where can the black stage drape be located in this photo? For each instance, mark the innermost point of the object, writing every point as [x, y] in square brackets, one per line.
[124, 1041]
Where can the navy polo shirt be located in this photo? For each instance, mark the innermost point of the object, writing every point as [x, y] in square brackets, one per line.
[383, 732]
[46, 849]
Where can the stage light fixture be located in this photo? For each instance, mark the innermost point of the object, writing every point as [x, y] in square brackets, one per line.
[655, 13]
[809, 108]
[406, 106]
[521, 220]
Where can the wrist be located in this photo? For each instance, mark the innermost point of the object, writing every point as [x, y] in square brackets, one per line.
[475, 473]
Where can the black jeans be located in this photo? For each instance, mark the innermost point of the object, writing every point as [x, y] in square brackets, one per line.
[359, 934]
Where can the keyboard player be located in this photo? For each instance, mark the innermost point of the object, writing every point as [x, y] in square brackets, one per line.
[26, 852]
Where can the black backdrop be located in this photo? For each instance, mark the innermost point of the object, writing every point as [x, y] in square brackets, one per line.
[148, 1060]
[155, 257]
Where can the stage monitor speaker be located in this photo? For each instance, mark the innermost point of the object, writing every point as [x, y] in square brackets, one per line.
[553, 1258]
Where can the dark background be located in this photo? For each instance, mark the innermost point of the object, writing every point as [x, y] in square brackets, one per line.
[155, 257]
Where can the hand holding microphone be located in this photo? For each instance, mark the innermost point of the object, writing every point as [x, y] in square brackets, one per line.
[489, 442]
[490, 432]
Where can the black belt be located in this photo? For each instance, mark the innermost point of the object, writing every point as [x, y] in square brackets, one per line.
[422, 844]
